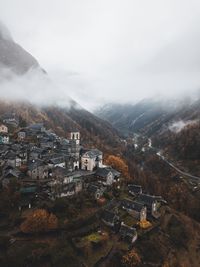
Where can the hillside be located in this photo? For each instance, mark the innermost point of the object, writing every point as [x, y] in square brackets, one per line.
[149, 116]
[14, 59]
[173, 127]
[94, 131]
[12, 55]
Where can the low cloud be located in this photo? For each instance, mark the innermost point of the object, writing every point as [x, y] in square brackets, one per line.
[178, 126]
[123, 51]
[34, 86]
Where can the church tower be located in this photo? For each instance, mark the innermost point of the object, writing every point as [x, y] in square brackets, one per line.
[75, 136]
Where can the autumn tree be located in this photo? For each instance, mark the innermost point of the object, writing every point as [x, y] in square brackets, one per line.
[119, 164]
[131, 259]
[39, 221]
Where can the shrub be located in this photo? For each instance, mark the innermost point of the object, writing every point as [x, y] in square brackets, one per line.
[39, 221]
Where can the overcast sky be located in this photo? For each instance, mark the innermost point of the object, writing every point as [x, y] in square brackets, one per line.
[111, 50]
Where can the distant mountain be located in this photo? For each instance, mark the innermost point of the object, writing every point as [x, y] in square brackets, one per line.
[172, 125]
[149, 116]
[13, 57]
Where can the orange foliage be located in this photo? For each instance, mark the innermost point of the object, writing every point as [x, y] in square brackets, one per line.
[131, 259]
[118, 164]
[39, 221]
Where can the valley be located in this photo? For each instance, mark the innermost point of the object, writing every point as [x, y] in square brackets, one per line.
[119, 187]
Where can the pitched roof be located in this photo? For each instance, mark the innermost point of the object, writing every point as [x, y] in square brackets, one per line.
[10, 155]
[57, 160]
[70, 187]
[36, 126]
[132, 205]
[35, 164]
[92, 153]
[146, 199]
[60, 171]
[108, 216]
[92, 188]
[125, 230]
[103, 172]
[134, 188]
[12, 173]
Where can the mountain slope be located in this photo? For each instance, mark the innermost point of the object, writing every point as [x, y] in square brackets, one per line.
[173, 127]
[15, 59]
[149, 116]
[94, 131]
[13, 56]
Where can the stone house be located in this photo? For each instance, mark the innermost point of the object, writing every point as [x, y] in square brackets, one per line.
[95, 190]
[134, 190]
[135, 209]
[110, 219]
[91, 159]
[37, 170]
[3, 129]
[107, 175]
[152, 204]
[128, 233]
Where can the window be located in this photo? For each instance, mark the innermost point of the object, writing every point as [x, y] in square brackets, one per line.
[154, 206]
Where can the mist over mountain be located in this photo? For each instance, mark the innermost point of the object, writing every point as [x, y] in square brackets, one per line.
[151, 116]
[22, 78]
[28, 91]
[124, 189]
[13, 56]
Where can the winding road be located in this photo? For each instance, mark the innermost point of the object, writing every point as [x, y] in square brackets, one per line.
[171, 164]
[177, 169]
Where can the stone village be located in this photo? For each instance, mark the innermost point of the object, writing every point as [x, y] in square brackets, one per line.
[50, 167]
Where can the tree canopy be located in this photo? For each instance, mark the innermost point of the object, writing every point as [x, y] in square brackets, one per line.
[39, 220]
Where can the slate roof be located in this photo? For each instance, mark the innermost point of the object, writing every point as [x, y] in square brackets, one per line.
[108, 216]
[92, 188]
[103, 172]
[12, 173]
[146, 199]
[36, 150]
[57, 160]
[125, 230]
[60, 171]
[93, 153]
[7, 167]
[10, 155]
[136, 189]
[4, 147]
[36, 126]
[69, 187]
[35, 164]
[132, 205]
[10, 118]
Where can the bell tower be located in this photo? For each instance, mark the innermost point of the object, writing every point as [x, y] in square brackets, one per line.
[75, 135]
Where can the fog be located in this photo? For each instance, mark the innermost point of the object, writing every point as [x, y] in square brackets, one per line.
[108, 51]
[34, 87]
[178, 126]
